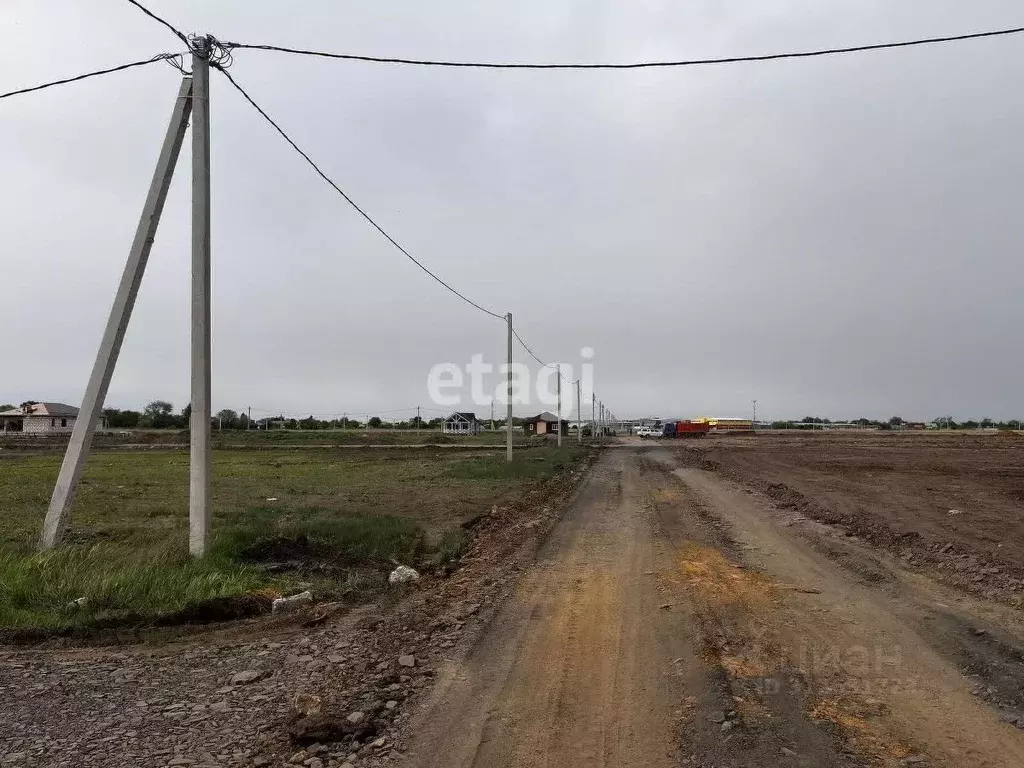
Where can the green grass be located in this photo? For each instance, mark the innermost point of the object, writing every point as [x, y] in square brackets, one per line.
[345, 515]
[453, 543]
[118, 582]
[526, 465]
[318, 533]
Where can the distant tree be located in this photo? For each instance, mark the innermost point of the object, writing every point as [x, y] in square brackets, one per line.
[896, 421]
[309, 423]
[987, 423]
[121, 419]
[158, 408]
[28, 404]
[969, 424]
[186, 416]
[374, 422]
[435, 423]
[6, 407]
[158, 415]
[227, 418]
[243, 420]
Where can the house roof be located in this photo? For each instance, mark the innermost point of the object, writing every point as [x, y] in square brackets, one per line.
[463, 415]
[546, 416]
[43, 409]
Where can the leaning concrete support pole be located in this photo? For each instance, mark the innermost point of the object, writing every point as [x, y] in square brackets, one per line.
[199, 427]
[117, 323]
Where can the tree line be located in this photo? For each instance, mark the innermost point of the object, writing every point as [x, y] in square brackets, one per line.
[160, 414]
[898, 422]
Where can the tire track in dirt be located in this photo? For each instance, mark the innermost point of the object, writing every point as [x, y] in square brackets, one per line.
[576, 669]
[629, 644]
[871, 670]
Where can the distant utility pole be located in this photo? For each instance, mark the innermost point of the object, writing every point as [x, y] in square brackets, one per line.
[344, 422]
[248, 424]
[117, 322]
[579, 415]
[558, 370]
[492, 414]
[593, 415]
[753, 422]
[417, 418]
[508, 421]
[201, 459]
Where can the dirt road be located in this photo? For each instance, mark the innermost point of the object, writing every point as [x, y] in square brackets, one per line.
[677, 618]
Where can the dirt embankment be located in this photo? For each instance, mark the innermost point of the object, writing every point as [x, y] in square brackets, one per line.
[950, 503]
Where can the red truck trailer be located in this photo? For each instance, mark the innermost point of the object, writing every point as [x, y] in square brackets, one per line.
[692, 428]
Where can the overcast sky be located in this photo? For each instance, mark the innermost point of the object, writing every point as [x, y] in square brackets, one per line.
[836, 236]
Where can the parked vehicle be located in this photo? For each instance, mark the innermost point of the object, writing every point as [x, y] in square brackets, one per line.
[675, 429]
[691, 429]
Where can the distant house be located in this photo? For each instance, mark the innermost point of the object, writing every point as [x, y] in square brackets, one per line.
[40, 419]
[544, 424]
[462, 423]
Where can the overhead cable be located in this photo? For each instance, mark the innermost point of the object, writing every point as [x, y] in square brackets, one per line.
[630, 65]
[97, 73]
[177, 32]
[349, 200]
[541, 362]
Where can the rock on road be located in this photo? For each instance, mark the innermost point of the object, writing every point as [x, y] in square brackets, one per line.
[673, 618]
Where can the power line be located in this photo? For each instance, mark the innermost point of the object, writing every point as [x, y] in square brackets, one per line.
[178, 33]
[97, 73]
[527, 348]
[350, 201]
[632, 65]
[542, 363]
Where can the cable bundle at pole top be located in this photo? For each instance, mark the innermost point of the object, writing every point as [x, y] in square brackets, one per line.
[220, 57]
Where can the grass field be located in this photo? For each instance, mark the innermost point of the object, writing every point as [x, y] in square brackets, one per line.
[231, 438]
[284, 518]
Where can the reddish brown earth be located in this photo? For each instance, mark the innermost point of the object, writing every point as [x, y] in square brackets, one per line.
[949, 501]
[683, 613]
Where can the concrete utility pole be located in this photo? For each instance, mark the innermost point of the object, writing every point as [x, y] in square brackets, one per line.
[593, 416]
[753, 422]
[417, 419]
[201, 457]
[579, 415]
[508, 429]
[558, 370]
[117, 323]
[492, 415]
